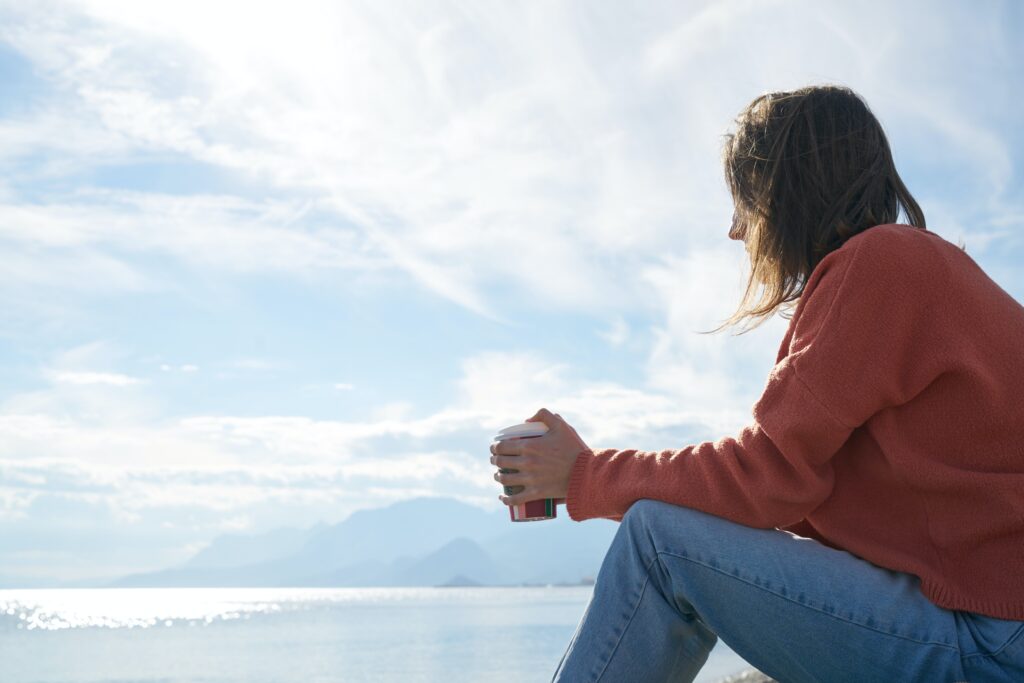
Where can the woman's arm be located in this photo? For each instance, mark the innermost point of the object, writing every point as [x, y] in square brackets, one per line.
[859, 341]
[863, 338]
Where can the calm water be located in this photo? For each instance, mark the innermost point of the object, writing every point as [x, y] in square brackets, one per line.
[288, 635]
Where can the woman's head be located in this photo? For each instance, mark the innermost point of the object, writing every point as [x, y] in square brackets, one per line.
[808, 170]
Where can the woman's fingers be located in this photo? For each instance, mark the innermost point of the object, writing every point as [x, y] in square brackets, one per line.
[514, 446]
[514, 461]
[519, 491]
[511, 477]
[510, 447]
[517, 499]
[527, 494]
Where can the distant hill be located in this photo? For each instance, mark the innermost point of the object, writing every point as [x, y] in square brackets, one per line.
[460, 560]
[236, 550]
[419, 542]
[558, 551]
[460, 557]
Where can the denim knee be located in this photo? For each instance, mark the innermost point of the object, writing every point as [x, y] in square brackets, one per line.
[642, 509]
[646, 513]
[654, 527]
[636, 525]
[673, 528]
[657, 513]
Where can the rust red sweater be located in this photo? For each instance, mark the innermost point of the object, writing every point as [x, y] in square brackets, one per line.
[892, 426]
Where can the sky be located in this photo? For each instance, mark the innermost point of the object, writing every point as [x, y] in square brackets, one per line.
[266, 264]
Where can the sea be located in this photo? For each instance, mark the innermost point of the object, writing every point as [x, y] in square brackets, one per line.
[288, 635]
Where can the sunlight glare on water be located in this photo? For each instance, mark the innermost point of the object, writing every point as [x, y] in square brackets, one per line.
[288, 635]
[54, 609]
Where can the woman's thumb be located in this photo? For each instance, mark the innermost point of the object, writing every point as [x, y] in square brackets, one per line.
[547, 417]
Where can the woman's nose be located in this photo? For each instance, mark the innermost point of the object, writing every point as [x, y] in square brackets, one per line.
[734, 229]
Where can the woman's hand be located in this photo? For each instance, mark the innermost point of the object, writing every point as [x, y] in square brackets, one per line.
[543, 463]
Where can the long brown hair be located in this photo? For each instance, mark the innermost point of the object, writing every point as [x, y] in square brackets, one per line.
[807, 169]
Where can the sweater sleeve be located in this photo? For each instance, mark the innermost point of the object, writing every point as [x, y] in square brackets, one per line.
[856, 344]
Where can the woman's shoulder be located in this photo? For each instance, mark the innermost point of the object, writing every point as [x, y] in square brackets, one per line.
[890, 236]
[891, 250]
[899, 237]
[881, 265]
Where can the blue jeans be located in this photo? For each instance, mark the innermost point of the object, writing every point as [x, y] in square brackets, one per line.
[675, 580]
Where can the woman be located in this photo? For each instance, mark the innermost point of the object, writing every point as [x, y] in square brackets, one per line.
[869, 524]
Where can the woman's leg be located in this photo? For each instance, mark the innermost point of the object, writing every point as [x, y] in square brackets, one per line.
[796, 609]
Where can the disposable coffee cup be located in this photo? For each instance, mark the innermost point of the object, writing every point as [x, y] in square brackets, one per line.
[533, 510]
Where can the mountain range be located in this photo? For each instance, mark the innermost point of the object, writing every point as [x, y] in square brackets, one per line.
[418, 542]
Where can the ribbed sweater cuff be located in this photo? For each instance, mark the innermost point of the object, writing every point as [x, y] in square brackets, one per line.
[575, 496]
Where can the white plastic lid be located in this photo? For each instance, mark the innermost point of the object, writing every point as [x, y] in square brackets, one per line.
[526, 429]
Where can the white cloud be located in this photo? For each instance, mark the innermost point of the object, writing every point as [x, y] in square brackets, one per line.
[393, 411]
[85, 383]
[506, 384]
[617, 334]
[211, 231]
[253, 364]
[504, 388]
[709, 28]
[553, 156]
[108, 378]
[717, 371]
[230, 464]
[14, 504]
[86, 269]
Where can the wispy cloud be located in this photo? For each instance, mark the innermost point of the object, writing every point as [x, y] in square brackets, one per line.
[186, 368]
[109, 378]
[214, 231]
[484, 160]
[617, 334]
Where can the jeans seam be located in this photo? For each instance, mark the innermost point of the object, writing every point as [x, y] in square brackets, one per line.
[640, 598]
[811, 607]
[1009, 641]
[572, 641]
